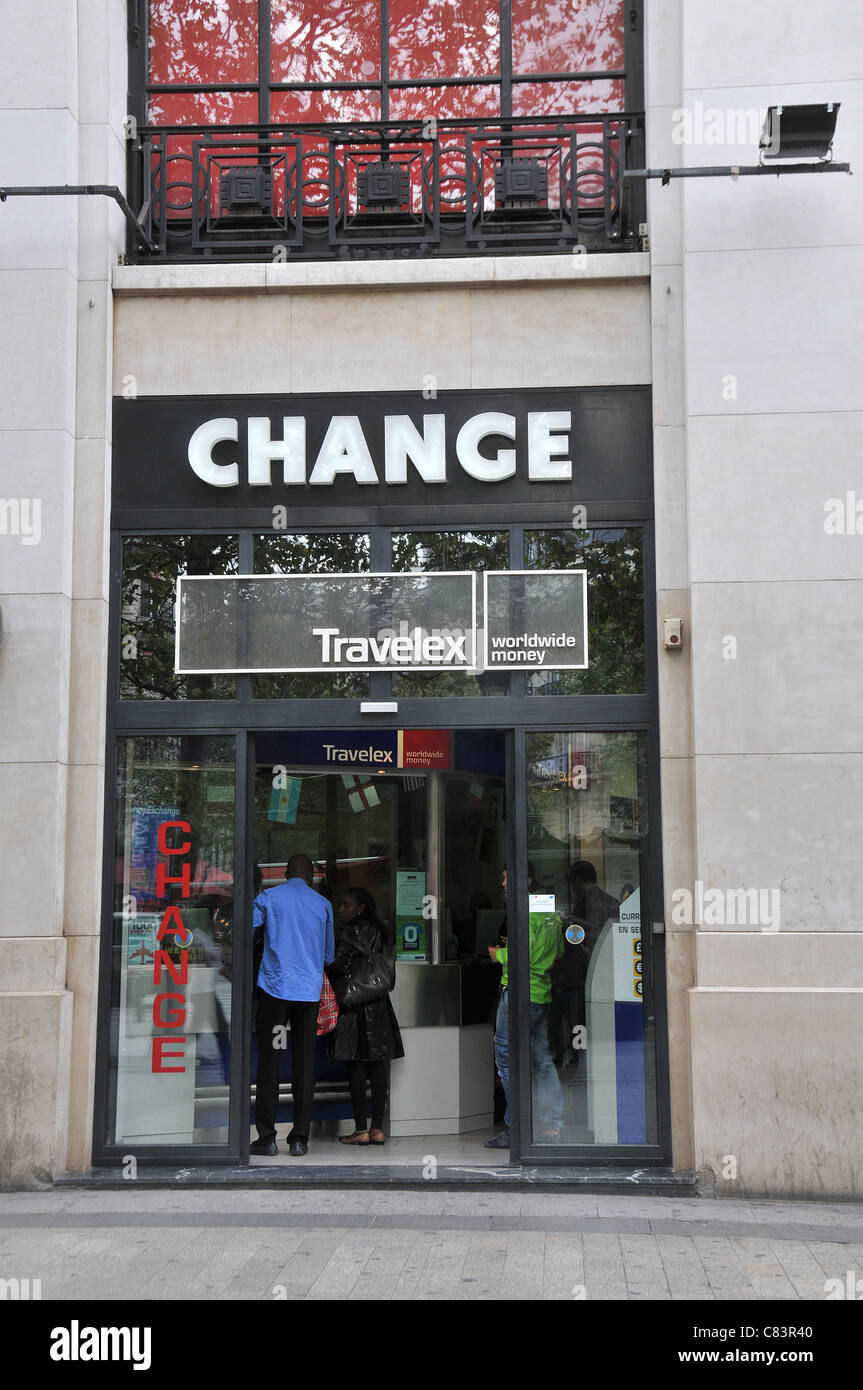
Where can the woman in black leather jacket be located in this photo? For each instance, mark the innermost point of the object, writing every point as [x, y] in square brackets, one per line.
[366, 1038]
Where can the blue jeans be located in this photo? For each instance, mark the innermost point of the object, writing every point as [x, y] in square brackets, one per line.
[546, 1093]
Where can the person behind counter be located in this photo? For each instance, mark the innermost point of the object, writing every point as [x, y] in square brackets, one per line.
[367, 1038]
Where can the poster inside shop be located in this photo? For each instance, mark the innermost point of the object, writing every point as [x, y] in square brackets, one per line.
[411, 924]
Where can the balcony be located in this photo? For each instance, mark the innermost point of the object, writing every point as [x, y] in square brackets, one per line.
[387, 189]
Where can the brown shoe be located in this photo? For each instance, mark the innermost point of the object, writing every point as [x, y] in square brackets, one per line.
[377, 1136]
[359, 1136]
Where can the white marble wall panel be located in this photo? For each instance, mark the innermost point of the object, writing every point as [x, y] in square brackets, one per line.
[584, 335]
[32, 835]
[776, 1091]
[776, 667]
[385, 341]
[772, 960]
[762, 489]
[771, 41]
[34, 678]
[783, 324]
[38, 57]
[37, 387]
[36, 478]
[786, 822]
[38, 148]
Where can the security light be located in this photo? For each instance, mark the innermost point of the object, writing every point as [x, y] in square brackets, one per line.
[799, 132]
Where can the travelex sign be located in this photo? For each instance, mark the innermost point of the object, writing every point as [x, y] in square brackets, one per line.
[481, 449]
[258, 624]
[380, 750]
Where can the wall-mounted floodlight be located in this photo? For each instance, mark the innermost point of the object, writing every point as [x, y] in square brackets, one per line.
[799, 132]
[790, 132]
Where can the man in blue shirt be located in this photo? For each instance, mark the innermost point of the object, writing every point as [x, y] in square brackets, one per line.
[298, 943]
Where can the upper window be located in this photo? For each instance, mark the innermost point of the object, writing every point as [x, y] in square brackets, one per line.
[246, 62]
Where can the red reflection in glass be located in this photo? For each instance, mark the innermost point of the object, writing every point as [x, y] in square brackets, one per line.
[211, 41]
[203, 108]
[567, 98]
[419, 103]
[192, 108]
[310, 107]
[450, 38]
[326, 40]
[296, 109]
[567, 35]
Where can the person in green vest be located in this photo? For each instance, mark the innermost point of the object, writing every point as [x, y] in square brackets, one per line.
[546, 946]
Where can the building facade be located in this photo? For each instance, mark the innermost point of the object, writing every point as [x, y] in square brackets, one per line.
[395, 347]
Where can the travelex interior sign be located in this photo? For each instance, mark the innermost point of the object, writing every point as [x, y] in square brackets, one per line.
[258, 624]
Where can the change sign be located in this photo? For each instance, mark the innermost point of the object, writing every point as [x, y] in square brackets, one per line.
[535, 619]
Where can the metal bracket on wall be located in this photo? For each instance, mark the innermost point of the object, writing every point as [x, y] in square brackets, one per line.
[82, 190]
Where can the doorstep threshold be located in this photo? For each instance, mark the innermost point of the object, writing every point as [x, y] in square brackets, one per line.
[610, 1180]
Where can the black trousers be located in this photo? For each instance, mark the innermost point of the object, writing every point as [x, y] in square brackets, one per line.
[377, 1076]
[275, 1013]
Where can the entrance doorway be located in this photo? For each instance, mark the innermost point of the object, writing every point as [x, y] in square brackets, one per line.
[431, 845]
[427, 840]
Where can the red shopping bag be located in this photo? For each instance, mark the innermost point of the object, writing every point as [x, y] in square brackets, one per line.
[328, 1009]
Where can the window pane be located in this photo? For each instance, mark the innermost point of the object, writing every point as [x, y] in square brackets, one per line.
[591, 1040]
[567, 35]
[151, 565]
[614, 560]
[281, 553]
[326, 40]
[213, 41]
[418, 551]
[172, 941]
[444, 103]
[352, 105]
[453, 38]
[567, 98]
[201, 108]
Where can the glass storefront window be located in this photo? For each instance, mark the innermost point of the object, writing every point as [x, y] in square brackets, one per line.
[172, 940]
[333, 553]
[339, 41]
[151, 565]
[583, 37]
[592, 1076]
[614, 560]
[414, 552]
[454, 38]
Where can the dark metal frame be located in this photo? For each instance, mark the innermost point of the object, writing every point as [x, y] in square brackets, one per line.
[445, 212]
[517, 714]
[631, 73]
[448, 207]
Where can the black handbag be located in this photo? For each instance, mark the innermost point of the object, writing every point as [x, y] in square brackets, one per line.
[371, 978]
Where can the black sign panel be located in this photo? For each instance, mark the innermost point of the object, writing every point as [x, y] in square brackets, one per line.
[249, 454]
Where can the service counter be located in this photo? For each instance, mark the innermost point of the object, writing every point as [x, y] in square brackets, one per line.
[444, 1084]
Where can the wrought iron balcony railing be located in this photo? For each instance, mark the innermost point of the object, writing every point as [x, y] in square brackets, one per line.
[405, 189]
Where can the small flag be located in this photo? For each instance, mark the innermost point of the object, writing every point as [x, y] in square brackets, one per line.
[361, 794]
[476, 790]
[285, 801]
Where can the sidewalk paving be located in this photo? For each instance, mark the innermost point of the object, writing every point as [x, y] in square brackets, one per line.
[373, 1244]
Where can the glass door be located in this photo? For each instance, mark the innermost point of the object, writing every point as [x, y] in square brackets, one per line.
[588, 1038]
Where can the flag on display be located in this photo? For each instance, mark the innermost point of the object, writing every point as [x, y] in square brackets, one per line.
[285, 801]
[361, 792]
